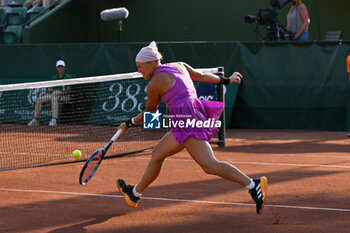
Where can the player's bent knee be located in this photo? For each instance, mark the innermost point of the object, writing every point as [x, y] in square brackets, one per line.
[156, 157]
[209, 169]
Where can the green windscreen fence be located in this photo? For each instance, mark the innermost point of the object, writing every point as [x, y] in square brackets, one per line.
[293, 86]
[285, 85]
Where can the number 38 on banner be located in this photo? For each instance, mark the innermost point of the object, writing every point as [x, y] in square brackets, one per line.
[125, 98]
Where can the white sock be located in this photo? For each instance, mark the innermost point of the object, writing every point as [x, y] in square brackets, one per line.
[251, 185]
[136, 194]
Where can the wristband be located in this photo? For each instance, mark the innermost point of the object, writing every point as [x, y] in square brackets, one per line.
[224, 80]
[129, 123]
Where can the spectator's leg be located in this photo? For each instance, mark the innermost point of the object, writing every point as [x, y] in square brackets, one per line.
[65, 98]
[47, 3]
[28, 4]
[37, 3]
[39, 104]
[56, 95]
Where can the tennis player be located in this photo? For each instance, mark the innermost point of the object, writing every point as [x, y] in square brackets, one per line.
[172, 83]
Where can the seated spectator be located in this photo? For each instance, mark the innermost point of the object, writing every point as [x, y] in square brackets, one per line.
[55, 95]
[30, 4]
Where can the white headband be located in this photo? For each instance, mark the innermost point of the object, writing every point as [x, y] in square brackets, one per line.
[149, 53]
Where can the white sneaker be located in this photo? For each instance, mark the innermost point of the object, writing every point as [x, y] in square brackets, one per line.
[33, 122]
[53, 122]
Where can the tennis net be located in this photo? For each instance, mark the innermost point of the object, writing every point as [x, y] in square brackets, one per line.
[87, 119]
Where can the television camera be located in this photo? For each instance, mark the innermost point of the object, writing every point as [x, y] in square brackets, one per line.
[268, 18]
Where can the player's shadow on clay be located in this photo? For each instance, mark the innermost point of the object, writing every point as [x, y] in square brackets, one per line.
[81, 227]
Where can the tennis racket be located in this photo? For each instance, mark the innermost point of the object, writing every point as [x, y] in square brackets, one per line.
[92, 164]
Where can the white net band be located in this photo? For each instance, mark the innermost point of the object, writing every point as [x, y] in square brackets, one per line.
[83, 80]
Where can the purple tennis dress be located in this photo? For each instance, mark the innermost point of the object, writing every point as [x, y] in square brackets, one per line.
[189, 116]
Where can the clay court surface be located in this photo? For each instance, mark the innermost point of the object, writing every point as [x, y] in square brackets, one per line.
[308, 190]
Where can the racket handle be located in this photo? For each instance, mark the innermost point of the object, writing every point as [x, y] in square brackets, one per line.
[116, 135]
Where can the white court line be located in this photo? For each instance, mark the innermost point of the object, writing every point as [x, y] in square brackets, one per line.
[174, 200]
[268, 164]
[318, 156]
[33, 154]
[308, 156]
[293, 164]
[294, 155]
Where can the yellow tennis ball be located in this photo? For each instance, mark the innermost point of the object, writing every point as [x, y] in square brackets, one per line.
[77, 154]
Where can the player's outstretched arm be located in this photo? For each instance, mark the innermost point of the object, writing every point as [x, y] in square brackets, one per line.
[212, 78]
[236, 77]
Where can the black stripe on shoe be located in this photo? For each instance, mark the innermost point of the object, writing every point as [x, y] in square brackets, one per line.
[258, 193]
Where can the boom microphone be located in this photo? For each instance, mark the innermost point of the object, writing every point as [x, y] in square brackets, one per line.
[115, 13]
